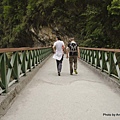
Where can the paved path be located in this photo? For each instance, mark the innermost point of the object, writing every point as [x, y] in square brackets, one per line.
[78, 97]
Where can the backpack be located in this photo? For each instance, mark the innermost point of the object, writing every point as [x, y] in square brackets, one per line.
[73, 48]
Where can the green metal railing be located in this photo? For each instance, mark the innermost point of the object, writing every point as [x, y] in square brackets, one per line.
[16, 62]
[108, 60]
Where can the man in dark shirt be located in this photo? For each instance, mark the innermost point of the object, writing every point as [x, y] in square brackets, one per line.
[73, 52]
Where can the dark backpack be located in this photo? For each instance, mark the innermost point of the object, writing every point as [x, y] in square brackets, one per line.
[73, 48]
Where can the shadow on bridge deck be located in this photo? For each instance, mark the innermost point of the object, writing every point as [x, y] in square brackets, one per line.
[89, 95]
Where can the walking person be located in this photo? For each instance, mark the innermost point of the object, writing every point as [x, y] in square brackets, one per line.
[58, 49]
[73, 52]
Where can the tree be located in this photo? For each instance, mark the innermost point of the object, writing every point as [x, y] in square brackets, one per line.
[94, 23]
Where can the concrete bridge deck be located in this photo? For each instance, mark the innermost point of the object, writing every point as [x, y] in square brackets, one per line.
[85, 96]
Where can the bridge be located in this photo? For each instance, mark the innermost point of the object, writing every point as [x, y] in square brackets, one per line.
[31, 90]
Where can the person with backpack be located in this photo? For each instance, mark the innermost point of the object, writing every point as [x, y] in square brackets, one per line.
[73, 52]
[58, 49]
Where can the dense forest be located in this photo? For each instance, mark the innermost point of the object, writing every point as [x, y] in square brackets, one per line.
[94, 23]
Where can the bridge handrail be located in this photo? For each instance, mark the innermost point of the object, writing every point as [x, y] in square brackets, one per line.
[101, 49]
[4, 50]
[16, 62]
[107, 60]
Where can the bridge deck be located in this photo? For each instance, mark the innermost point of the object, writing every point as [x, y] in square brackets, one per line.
[84, 96]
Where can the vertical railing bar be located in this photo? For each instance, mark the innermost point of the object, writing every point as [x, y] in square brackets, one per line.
[110, 63]
[3, 72]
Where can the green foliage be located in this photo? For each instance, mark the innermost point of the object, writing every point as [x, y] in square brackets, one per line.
[114, 8]
[7, 12]
[94, 23]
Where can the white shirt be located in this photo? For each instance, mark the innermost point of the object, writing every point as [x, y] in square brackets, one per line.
[59, 49]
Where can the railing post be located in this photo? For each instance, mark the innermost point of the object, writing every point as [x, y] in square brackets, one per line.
[110, 63]
[16, 76]
[92, 61]
[3, 72]
[81, 54]
[97, 59]
[29, 60]
[24, 66]
[88, 56]
[33, 62]
[102, 65]
[39, 56]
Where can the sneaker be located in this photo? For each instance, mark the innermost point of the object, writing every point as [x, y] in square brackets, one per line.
[71, 72]
[58, 73]
[75, 71]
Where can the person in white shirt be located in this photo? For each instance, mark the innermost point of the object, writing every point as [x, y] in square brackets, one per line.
[58, 49]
